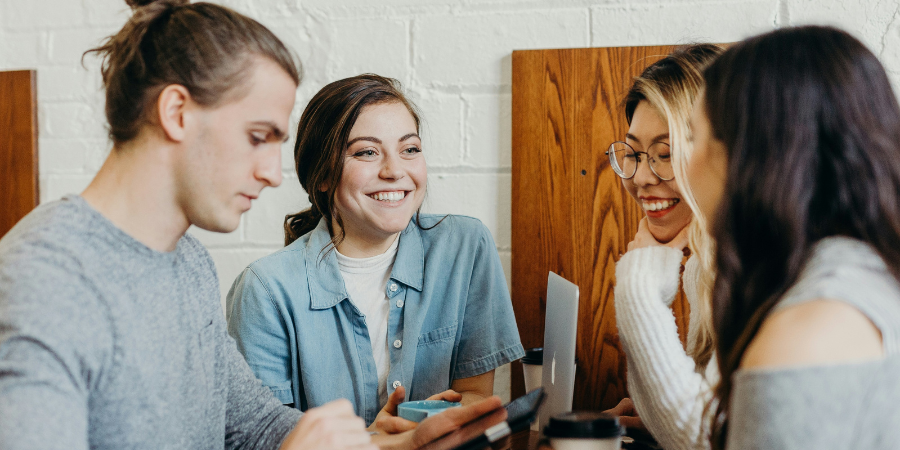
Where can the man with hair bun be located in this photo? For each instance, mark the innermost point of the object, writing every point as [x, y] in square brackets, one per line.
[111, 328]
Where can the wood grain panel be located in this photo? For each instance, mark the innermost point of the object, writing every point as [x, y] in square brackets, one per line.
[18, 146]
[570, 213]
[528, 108]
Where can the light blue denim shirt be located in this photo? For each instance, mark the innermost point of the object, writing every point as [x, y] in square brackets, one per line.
[450, 317]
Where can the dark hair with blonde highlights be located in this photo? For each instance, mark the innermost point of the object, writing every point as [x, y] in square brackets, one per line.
[322, 137]
[671, 86]
[206, 48]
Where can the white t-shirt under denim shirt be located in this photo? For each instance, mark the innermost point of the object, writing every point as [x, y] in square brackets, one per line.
[450, 317]
[366, 281]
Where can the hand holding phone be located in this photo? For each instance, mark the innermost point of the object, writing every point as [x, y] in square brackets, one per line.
[492, 427]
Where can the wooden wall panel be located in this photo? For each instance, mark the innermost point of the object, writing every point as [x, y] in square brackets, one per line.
[18, 146]
[570, 213]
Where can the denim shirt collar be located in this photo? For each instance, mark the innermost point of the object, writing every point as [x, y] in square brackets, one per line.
[324, 275]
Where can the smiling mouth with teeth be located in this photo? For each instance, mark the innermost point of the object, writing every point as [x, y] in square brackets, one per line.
[659, 205]
[389, 197]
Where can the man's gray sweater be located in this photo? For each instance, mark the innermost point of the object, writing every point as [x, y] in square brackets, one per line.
[108, 344]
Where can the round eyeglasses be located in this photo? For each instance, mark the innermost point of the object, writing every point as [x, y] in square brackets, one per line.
[624, 160]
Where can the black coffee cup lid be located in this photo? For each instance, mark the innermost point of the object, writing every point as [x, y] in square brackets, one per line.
[584, 424]
[534, 356]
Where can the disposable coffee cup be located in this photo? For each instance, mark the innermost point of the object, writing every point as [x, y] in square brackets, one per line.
[587, 430]
[532, 364]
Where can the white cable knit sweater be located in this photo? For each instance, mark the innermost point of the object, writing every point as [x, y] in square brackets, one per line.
[665, 386]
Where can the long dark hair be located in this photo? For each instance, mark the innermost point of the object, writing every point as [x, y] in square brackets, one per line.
[206, 48]
[812, 130]
[321, 140]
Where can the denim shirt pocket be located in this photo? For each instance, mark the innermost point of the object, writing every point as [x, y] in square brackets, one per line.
[434, 356]
[438, 336]
[282, 392]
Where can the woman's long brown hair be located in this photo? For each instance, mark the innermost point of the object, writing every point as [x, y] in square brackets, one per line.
[811, 127]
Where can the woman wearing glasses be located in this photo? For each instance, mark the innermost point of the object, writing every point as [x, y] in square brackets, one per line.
[669, 386]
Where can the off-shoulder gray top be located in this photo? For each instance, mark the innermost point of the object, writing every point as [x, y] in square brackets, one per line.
[828, 407]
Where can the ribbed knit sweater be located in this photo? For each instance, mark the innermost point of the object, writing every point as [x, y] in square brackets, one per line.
[668, 392]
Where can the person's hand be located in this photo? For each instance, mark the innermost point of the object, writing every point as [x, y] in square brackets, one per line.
[644, 238]
[628, 416]
[488, 411]
[330, 426]
[387, 421]
[482, 414]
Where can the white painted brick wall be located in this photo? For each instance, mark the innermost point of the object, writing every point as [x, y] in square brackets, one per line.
[459, 51]
[453, 57]
[488, 132]
[652, 23]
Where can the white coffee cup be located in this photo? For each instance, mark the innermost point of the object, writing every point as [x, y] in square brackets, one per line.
[532, 368]
[586, 430]
[532, 365]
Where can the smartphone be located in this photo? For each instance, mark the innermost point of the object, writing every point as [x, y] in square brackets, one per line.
[523, 410]
[485, 431]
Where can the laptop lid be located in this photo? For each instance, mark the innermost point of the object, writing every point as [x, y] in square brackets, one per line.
[560, 330]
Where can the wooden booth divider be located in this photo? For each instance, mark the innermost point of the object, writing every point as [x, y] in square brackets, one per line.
[18, 146]
[570, 213]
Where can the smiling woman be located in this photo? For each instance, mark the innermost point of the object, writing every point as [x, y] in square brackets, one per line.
[652, 183]
[668, 383]
[383, 181]
[371, 300]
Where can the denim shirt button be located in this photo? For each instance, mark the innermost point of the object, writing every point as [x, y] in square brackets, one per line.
[400, 303]
[393, 287]
[396, 384]
[398, 343]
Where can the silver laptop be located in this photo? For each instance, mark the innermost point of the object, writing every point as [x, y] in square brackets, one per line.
[560, 329]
